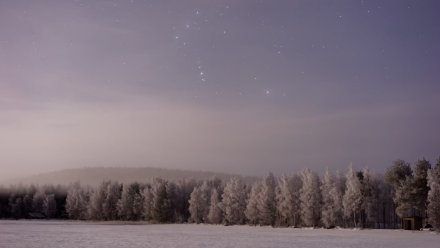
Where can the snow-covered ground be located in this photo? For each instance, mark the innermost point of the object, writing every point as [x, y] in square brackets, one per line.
[66, 234]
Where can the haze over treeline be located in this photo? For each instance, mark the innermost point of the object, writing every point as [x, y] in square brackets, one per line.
[94, 176]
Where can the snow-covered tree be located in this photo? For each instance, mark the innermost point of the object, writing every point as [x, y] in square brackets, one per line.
[76, 202]
[162, 209]
[338, 197]
[184, 189]
[353, 198]
[330, 199]
[196, 206]
[234, 202]
[130, 206]
[110, 204]
[296, 186]
[148, 203]
[252, 212]
[50, 206]
[267, 204]
[400, 175]
[285, 201]
[420, 185]
[215, 211]
[205, 191]
[370, 192]
[38, 201]
[310, 197]
[96, 202]
[403, 197]
[434, 196]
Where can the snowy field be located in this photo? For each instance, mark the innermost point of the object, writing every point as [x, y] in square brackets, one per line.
[66, 234]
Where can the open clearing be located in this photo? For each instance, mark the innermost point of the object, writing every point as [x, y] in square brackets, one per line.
[68, 234]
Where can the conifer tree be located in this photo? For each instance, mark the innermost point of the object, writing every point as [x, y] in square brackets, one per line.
[234, 202]
[252, 212]
[196, 208]
[352, 200]
[215, 211]
[310, 197]
[434, 196]
[267, 203]
[330, 197]
[76, 202]
[148, 203]
[110, 204]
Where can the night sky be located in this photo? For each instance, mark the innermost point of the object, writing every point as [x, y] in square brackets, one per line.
[231, 86]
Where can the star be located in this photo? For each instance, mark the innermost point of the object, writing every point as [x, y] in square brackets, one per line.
[267, 92]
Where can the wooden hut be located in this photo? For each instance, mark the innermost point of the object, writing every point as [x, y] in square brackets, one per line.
[413, 220]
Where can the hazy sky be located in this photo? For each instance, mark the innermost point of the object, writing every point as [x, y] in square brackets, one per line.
[230, 86]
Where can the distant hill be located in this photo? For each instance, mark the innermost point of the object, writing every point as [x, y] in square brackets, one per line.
[95, 175]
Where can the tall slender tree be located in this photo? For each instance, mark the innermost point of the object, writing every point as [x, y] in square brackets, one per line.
[110, 204]
[284, 202]
[310, 198]
[252, 212]
[330, 197]
[196, 206]
[77, 201]
[234, 201]
[267, 203]
[215, 211]
[434, 196]
[352, 200]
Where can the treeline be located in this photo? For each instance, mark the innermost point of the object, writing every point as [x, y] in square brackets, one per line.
[355, 199]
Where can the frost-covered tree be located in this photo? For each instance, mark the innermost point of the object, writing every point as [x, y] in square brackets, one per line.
[420, 185]
[130, 206]
[330, 199]
[434, 196]
[371, 192]
[353, 198]
[76, 202]
[96, 202]
[267, 204]
[205, 191]
[252, 212]
[50, 206]
[172, 192]
[162, 209]
[288, 202]
[215, 211]
[234, 202]
[339, 195]
[184, 189]
[296, 186]
[148, 203]
[403, 197]
[310, 197]
[399, 175]
[110, 204]
[38, 201]
[196, 206]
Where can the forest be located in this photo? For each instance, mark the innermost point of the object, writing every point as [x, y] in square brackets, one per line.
[357, 198]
